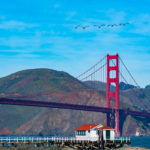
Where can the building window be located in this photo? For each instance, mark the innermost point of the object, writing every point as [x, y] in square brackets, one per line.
[81, 133]
[108, 134]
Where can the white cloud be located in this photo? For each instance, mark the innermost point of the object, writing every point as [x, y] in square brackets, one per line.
[2, 17]
[70, 15]
[110, 16]
[141, 24]
[80, 52]
[116, 16]
[77, 54]
[12, 24]
[13, 50]
[56, 5]
[22, 42]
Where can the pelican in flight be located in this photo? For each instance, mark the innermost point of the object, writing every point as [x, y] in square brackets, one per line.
[103, 25]
[76, 27]
[84, 27]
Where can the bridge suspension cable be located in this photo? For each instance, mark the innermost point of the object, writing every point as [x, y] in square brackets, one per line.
[134, 90]
[129, 72]
[91, 67]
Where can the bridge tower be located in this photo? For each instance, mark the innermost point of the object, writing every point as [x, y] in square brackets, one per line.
[114, 116]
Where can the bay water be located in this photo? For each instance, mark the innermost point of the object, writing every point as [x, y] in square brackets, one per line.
[141, 141]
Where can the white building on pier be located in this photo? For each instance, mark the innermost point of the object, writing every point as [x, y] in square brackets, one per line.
[90, 132]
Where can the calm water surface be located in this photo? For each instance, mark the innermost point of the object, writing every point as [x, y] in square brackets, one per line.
[141, 141]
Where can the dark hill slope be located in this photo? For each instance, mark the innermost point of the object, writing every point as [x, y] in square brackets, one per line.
[38, 80]
[34, 120]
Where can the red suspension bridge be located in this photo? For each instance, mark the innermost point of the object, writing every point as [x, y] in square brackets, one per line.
[106, 73]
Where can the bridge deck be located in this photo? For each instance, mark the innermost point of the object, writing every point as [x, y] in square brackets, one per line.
[8, 101]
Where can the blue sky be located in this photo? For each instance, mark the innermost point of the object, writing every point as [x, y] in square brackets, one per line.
[41, 34]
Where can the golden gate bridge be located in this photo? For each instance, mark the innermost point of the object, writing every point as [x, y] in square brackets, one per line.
[105, 71]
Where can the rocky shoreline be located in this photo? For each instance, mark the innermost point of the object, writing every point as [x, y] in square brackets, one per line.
[123, 148]
[67, 148]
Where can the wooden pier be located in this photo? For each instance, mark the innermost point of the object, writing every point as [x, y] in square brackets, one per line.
[63, 142]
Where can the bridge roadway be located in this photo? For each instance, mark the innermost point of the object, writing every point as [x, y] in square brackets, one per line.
[9, 101]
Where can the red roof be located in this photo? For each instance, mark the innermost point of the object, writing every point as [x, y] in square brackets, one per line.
[106, 127]
[87, 126]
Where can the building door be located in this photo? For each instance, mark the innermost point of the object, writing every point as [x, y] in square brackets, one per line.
[107, 134]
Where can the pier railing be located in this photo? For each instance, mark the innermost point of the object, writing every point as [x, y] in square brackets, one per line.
[56, 139]
[122, 138]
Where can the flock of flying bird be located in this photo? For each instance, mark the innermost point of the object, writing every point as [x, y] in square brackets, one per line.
[101, 26]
